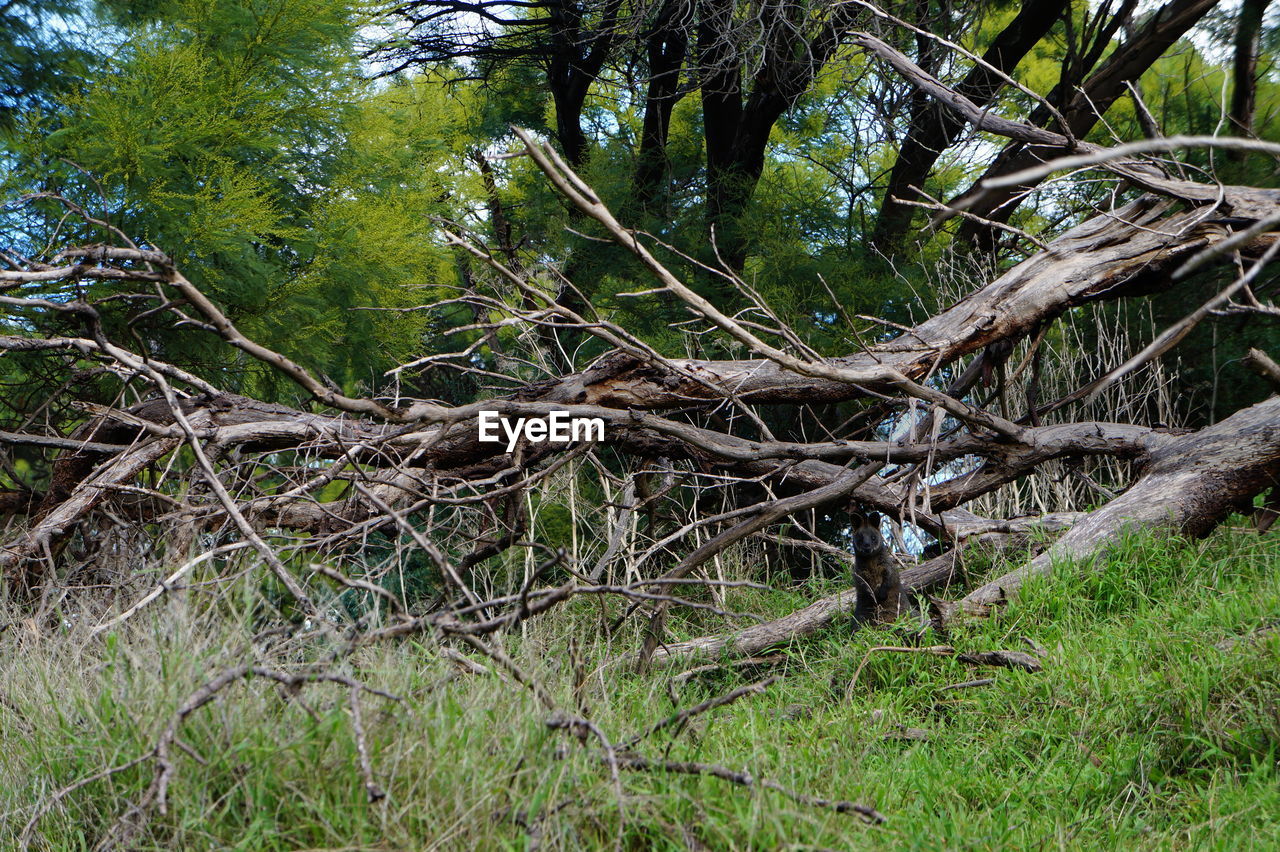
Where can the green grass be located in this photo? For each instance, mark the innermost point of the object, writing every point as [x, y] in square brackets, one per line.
[1138, 733]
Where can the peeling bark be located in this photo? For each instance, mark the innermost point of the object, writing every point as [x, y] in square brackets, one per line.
[1131, 251]
[44, 537]
[1189, 486]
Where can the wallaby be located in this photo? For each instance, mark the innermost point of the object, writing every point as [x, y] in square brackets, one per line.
[880, 597]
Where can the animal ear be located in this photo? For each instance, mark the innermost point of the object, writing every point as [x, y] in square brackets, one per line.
[873, 519]
[856, 517]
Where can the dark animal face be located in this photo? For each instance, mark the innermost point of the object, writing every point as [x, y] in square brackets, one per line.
[867, 541]
[866, 537]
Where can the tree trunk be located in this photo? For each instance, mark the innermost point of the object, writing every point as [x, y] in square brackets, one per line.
[1084, 110]
[1245, 68]
[576, 59]
[1188, 487]
[918, 579]
[1129, 252]
[737, 133]
[666, 47]
[935, 128]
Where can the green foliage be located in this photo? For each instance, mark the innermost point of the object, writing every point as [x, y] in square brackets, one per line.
[240, 137]
[237, 137]
[39, 58]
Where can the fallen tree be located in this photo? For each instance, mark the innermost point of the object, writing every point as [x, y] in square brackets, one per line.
[402, 463]
[1187, 486]
[933, 575]
[132, 472]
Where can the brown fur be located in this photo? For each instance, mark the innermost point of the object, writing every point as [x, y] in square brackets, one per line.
[880, 597]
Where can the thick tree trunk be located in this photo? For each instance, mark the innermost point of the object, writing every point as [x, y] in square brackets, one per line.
[1131, 251]
[577, 57]
[1127, 252]
[720, 86]
[50, 530]
[1189, 486]
[569, 98]
[737, 123]
[935, 128]
[918, 579]
[1244, 67]
[666, 47]
[1085, 109]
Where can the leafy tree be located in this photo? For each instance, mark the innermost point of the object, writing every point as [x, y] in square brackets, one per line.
[39, 55]
[239, 137]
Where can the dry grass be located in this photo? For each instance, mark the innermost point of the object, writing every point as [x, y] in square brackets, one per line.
[1139, 733]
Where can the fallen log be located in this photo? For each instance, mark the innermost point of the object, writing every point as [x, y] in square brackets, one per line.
[1133, 250]
[1188, 485]
[453, 451]
[1187, 488]
[1130, 251]
[50, 530]
[928, 576]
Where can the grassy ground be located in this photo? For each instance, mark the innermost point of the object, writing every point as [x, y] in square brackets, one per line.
[1138, 733]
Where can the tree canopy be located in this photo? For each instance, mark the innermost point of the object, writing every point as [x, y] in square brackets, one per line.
[299, 157]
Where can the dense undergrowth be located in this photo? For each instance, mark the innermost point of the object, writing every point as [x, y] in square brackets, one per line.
[1139, 732]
